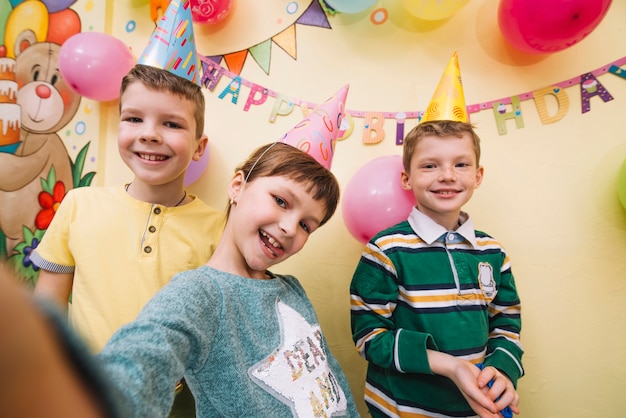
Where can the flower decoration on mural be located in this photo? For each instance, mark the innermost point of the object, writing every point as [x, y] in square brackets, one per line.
[28, 249]
[21, 262]
[53, 192]
[49, 203]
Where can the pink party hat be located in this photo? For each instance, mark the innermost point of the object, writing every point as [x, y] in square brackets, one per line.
[317, 133]
[172, 45]
[448, 101]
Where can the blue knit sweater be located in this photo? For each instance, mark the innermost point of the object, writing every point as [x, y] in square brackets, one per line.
[245, 347]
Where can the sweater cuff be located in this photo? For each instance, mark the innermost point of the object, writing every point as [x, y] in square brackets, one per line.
[507, 363]
[410, 351]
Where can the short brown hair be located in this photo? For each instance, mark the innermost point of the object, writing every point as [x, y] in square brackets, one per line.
[438, 128]
[159, 79]
[280, 159]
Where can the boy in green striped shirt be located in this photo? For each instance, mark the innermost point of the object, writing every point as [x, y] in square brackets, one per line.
[432, 298]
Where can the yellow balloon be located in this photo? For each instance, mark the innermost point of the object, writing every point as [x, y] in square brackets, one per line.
[28, 22]
[433, 9]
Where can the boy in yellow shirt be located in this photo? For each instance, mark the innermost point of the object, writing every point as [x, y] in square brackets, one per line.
[113, 248]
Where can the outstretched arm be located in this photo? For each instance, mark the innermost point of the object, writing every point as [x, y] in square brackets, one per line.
[34, 362]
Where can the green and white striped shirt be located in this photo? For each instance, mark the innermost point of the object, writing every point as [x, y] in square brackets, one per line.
[419, 286]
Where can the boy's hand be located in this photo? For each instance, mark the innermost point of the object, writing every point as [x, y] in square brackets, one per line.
[501, 389]
[465, 376]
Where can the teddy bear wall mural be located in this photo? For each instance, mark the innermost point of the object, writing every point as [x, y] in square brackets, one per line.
[36, 170]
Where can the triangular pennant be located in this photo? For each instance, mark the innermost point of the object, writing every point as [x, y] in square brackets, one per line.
[262, 54]
[314, 16]
[235, 61]
[286, 40]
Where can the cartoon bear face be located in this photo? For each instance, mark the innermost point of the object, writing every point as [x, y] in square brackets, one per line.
[47, 102]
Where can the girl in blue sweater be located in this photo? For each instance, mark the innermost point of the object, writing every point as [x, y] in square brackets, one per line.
[246, 340]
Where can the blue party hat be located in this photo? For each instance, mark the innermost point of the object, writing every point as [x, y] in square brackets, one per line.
[172, 44]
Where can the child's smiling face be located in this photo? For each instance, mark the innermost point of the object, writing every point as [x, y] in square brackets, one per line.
[443, 175]
[271, 220]
[157, 139]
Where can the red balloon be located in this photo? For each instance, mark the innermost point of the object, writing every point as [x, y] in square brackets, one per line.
[546, 26]
[374, 198]
[62, 25]
[209, 11]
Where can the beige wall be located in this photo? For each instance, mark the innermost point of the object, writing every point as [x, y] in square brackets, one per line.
[549, 192]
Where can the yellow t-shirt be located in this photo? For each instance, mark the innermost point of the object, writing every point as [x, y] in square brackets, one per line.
[122, 251]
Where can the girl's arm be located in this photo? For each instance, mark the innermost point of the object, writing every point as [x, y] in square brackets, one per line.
[39, 377]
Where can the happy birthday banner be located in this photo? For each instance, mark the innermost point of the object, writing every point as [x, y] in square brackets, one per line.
[373, 133]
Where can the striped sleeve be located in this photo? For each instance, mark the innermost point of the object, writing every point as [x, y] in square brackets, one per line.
[373, 296]
[504, 348]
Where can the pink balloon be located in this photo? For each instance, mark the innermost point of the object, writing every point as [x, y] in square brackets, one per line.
[93, 64]
[209, 11]
[374, 198]
[546, 26]
[197, 168]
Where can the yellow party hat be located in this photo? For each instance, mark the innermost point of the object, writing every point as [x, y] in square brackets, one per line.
[448, 101]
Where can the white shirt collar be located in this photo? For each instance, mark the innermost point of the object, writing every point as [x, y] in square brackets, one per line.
[429, 231]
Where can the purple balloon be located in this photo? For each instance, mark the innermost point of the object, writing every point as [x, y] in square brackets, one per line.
[197, 168]
[54, 6]
[93, 64]
[374, 198]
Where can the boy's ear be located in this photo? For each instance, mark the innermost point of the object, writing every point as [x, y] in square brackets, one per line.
[203, 143]
[404, 180]
[236, 185]
[480, 172]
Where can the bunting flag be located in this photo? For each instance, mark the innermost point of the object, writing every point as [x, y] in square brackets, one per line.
[286, 40]
[503, 109]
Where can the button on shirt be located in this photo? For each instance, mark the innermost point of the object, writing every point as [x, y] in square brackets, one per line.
[155, 221]
[432, 233]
